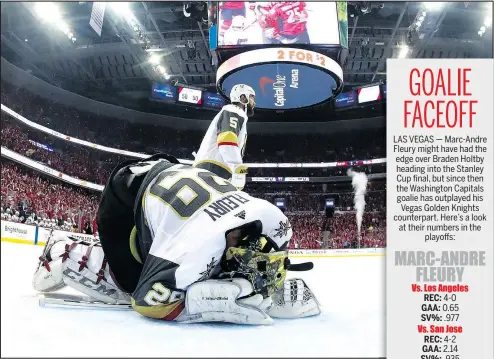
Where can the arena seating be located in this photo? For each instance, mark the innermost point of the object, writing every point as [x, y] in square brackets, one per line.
[68, 158]
[26, 197]
[307, 230]
[343, 230]
[47, 202]
[366, 144]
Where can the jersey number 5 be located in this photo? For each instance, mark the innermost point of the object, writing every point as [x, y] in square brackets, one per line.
[186, 195]
[233, 122]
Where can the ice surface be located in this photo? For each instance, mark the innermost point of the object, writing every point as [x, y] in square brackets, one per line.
[351, 291]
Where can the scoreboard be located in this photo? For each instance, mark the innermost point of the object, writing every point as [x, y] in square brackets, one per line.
[189, 95]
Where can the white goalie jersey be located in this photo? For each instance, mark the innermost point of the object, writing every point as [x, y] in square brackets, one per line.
[187, 212]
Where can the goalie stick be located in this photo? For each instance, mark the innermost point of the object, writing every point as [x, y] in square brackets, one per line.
[298, 267]
[54, 300]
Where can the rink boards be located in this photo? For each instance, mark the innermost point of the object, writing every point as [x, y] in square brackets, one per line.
[27, 234]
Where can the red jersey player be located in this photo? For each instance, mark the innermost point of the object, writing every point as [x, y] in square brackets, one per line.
[284, 22]
[229, 9]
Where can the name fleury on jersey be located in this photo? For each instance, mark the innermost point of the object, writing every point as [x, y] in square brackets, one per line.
[225, 205]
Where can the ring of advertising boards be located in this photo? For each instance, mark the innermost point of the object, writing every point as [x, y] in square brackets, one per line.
[283, 78]
[283, 50]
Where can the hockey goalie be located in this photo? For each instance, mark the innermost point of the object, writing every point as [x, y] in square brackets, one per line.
[180, 243]
[223, 145]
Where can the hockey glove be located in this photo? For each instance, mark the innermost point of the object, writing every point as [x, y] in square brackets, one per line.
[239, 175]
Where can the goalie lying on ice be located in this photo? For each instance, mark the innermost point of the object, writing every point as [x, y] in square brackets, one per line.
[183, 244]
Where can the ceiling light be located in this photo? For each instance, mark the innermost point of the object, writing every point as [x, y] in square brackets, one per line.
[403, 52]
[480, 33]
[488, 21]
[421, 18]
[62, 25]
[154, 59]
[419, 23]
[155, 50]
[25, 40]
[122, 8]
[482, 28]
[433, 5]
[47, 11]
[74, 39]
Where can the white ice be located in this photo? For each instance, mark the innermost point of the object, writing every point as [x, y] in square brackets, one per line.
[351, 291]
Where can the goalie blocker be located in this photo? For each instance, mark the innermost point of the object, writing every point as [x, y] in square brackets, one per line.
[167, 266]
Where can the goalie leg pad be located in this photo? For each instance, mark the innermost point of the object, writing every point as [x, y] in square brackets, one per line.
[218, 301]
[79, 264]
[295, 300]
[48, 276]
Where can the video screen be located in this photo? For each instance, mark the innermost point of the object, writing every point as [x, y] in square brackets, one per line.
[164, 92]
[345, 99]
[368, 94]
[189, 95]
[41, 145]
[280, 202]
[214, 100]
[279, 23]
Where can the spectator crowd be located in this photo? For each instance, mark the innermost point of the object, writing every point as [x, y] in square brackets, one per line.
[29, 197]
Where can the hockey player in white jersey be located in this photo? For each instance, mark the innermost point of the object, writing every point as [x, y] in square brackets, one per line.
[223, 145]
[180, 243]
[235, 35]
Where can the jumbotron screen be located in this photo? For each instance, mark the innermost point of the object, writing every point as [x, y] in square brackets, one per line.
[282, 23]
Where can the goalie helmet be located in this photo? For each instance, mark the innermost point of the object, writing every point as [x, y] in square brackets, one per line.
[248, 102]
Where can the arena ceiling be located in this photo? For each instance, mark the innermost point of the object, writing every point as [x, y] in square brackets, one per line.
[115, 64]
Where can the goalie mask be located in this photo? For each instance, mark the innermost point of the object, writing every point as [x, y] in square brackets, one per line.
[259, 253]
[265, 271]
[246, 96]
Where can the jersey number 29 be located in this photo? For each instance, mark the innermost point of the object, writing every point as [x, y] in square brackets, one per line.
[186, 195]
